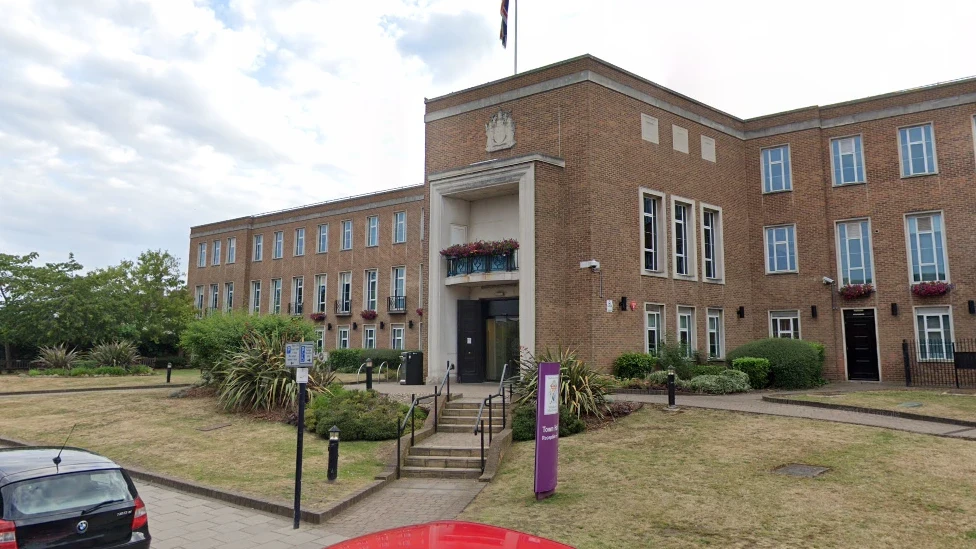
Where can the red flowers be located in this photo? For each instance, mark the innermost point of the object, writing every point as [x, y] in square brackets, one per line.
[368, 314]
[481, 248]
[317, 316]
[854, 291]
[931, 288]
[420, 311]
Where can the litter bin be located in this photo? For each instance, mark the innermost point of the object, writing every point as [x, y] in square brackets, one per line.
[413, 368]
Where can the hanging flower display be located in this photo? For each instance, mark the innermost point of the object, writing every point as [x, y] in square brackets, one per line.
[931, 288]
[368, 314]
[854, 291]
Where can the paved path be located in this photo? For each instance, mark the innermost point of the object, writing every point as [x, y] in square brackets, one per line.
[753, 403]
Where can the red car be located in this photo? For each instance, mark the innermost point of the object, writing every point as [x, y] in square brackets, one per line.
[449, 534]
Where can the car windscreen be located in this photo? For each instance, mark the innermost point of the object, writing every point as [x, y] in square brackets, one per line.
[77, 490]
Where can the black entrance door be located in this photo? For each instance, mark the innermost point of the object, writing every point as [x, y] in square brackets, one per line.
[862, 344]
[471, 341]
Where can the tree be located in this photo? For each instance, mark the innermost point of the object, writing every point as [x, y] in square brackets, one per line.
[160, 303]
[15, 271]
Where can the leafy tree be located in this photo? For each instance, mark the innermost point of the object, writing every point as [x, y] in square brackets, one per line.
[15, 272]
[160, 301]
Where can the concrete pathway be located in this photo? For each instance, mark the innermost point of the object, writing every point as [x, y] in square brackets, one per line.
[753, 403]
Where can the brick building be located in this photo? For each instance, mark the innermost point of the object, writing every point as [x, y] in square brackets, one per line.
[706, 227]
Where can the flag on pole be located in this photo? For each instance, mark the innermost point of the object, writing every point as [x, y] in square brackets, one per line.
[503, 35]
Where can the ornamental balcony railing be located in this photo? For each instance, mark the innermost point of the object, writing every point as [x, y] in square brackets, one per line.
[487, 263]
[396, 304]
[343, 307]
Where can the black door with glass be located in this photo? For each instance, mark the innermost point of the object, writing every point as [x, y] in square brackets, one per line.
[861, 342]
[471, 341]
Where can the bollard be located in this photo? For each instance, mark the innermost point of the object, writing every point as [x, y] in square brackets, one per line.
[169, 371]
[333, 472]
[369, 374]
[671, 388]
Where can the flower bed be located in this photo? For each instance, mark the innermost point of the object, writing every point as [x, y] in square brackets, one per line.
[855, 291]
[931, 288]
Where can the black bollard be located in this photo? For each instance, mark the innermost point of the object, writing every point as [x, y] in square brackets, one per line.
[169, 371]
[670, 388]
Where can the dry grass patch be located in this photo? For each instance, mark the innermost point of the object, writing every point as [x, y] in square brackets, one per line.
[702, 479]
[22, 382]
[934, 403]
[149, 430]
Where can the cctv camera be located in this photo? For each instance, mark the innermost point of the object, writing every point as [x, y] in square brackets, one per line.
[592, 264]
[828, 281]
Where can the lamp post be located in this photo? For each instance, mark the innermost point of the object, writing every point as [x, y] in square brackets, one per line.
[169, 371]
[369, 374]
[671, 388]
[333, 453]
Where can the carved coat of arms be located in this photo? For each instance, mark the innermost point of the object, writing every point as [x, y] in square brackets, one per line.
[501, 131]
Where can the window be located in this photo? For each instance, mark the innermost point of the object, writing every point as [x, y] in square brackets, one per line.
[342, 337]
[199, 297]
[279, 245]
[275, 296]
[848, 160]
[369, 336]
[347, 235]
[319, 340]
[926, 247]
[399, 281]
[202, 255]
[716, 334]
[781, 249]
[258, 248]
[300, 241]
[320, 292]
[784, 324]
[255, 296]
[854, 252]
[776, 169]
[214, 297]
[297, 295]
[917, 150]
[323, 238]
[369, 290]
[683, 238]
[934, 325]
[216, 253]
[396, 336]
[713, 247]
[231, 250]
[372, 231]
[654, 327]
[686, 330]
[652, 231]
[345, 292]
[36, 499]
[399, 227]
[228, 296]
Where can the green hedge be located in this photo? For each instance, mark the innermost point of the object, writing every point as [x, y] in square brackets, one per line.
[634, 365]
[756, 367]
[523, 422]
[349, 360]
[793, 364]
[700, 370]
[209, 338]
[359, 415]
[718, 384]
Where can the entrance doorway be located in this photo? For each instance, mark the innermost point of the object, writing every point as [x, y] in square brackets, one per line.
[861, 343]
[488, 338]
[502, 343]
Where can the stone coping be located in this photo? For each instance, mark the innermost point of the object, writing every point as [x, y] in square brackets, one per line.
[869, 410]
[82, 390]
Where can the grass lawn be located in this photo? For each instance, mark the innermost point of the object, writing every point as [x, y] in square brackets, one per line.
[149, 430]
[934, 403]
[702, 479]
[22, 382]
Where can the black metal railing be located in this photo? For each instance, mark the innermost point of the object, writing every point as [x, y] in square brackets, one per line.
[414, 401]
[396, 304]
[343, 307]
[295, 308]
[488, 263]
[940, 363]
[479, 424]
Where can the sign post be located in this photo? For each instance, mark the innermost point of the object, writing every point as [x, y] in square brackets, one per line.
[300, 356]
[547, 431]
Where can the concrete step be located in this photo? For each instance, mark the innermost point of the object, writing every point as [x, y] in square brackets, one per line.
[446, 452]
[472, 415]
[463, 405]
[450, 473]
[445, 462]
[468, 413]
[467, 427]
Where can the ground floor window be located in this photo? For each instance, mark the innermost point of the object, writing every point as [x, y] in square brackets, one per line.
[686, 330]
[784, 324]
[934, 327]
[396, 336]
[369, 336]
[319, 340]
[654, 327]
[342, 337]
[716, 334]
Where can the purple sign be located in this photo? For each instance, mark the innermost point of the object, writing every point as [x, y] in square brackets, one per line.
[547, 431]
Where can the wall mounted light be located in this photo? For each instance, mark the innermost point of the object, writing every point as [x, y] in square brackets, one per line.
[410, 323]
[894, 308]
[354, 325]
[381, 325]
[328, 326]
[813, 311]
[741, 312]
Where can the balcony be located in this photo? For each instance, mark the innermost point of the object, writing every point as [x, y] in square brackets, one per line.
[343, 307]
[396, 304]
[295, 308]
[482, 269]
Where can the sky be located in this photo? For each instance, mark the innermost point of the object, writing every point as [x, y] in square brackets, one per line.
[125, 122]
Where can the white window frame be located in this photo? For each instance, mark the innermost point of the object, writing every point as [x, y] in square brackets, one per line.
[202, 254]
[718, 236]
[214, 297]
[766, 257]
[228, 296]
[319, 340]
[321, 292]
[346, 231]
[682, 311]
[658, 310]
[300, 241]
[231, 250]
[400, 223]
[215, 260]
[372, 231]
[935, 154]
[908, 247]
[786, 162]
[928, 311]
[719, 331]
[369, 336]
[323, 239]
[394, 329]
[793, 315]
[258, 248]
[691, 247]
[200, 300]
[255, 297]
[844, 251]
[371, 302]
[275, 298]
[858, 155]
[342, 337]
[278, 246]
[660, 230]
[297, 293]
[394, 278]
[345, 285]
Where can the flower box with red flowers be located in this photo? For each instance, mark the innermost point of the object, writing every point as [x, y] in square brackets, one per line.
[931, 288]
[317, 316]
[368, 314]
[481, 257]
[855, 291]
[420, 311]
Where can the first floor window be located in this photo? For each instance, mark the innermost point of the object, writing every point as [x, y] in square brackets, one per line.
[934, 325]
[323, 238]
[319, 340]
[784, 324]
[399, 288]
[369, 302]
[684, 241]
[342, 337]
[214, 297]
[373, 231]
[917, 150]
[279, 245]
[275, 296]
[396, 333]
[781, 249]
[654, 327]
[255, 296]
[202, 255]
[216, 253]
[300, 241]
[228, 296]
[848, 160]
[199, 297]
[231, 250]
[258, 248]
[297, 294]
[320, 286]
[712, 243]
[369, 336]
[854, 251]
[926, 245]
[345, 292]
[651, 232]
[776, 173]
[716, 337]
[399, 227]
[347, 234]
[686, 330]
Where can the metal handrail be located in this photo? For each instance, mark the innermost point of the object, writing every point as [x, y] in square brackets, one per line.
[402, 426]
[445, 382]
[487, 401]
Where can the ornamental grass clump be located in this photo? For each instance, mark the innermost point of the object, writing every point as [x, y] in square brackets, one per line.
[58, 357]
[583, 390]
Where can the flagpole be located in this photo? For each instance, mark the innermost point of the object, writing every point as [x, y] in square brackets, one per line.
[515, 9]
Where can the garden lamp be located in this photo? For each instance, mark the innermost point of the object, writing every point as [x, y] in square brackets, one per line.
[333, 453]
[671, 387]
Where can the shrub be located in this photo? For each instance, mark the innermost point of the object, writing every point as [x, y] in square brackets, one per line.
[523, 422]
[345, 360]
[109, 371]
[737, 375]
[583, 389]
[58, 357]
[660, 378]
[634, 365]
[714, 370]
[86, 363]
[38, 372]
[709, 383]
[209, 338]
[140, 369]
[671, 354]
[120, 353]
[793, 364]
[359, 414]
[757, 368]
[178, 361]
[80, 371]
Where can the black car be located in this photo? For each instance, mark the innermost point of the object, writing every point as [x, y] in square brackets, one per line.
[77, 500]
